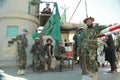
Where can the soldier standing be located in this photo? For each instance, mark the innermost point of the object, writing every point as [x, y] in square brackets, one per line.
[38, 54]
[90, 46]
[60, 54]
[22, 43]
[82, 58]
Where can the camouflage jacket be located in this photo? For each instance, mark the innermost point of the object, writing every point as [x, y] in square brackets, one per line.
[37, 49]
[90, 37]
[78, 38]
[59, 51]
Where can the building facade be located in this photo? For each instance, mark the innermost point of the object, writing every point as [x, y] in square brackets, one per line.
[14, 17]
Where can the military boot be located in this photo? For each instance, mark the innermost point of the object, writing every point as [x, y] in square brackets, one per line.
[19, 71]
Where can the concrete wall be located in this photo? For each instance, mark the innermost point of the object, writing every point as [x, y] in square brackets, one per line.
[10, 6]
[65, 36]
[9, 53]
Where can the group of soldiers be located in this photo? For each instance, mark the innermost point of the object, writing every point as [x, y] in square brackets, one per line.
[44, 56]
[85, 40]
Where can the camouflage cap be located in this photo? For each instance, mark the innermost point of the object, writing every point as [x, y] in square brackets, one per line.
[25, 30]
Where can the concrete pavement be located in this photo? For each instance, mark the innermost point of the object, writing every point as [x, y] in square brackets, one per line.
[68, 74]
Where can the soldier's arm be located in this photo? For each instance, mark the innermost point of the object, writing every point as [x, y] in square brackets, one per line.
[56, 51]
[16, 38]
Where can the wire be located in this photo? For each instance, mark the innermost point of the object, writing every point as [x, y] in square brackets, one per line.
[75, 10]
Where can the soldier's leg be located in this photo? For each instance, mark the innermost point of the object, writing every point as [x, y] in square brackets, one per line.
[19, 66]
[24, 61]
[19, 63]
[93, 65]
[36, 61]
[53, 63]
[61, 64]
[83, 62]
[45, 66]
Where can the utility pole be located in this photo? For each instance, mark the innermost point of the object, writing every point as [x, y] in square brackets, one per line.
[86, 8]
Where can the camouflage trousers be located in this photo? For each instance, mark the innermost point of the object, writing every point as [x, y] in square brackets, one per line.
[36, 62]
[87, 60]
[82, 61]
[62, 62]
[21, 62]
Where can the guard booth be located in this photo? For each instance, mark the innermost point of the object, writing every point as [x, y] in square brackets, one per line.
[43, 17]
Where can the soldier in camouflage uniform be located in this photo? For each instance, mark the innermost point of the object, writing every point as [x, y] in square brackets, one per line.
[22, 43]
[60, 54]
[38, 54]
[82, 59]
[77, 44]
[90, 46]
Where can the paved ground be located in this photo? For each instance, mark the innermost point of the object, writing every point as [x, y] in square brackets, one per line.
[68, 74]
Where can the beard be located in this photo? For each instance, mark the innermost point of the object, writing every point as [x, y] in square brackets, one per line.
[90, 25]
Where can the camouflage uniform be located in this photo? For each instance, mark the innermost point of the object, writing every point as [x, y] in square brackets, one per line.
[90, 45]
[78, 38]
[38, 55]
[21, 56]
[82, 56]
[60, 53]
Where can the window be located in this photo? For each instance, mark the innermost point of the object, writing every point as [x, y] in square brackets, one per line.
[1, 2]
[12, 31]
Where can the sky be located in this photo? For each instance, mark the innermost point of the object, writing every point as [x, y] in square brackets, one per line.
[103, 11]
